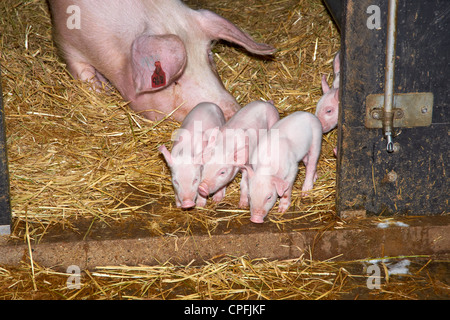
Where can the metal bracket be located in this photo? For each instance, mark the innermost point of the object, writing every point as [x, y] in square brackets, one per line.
[410, 110]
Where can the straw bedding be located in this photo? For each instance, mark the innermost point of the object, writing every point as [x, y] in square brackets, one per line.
[78, 155]
[231, 278]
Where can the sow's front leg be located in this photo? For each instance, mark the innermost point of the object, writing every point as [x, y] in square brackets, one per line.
[86, 72]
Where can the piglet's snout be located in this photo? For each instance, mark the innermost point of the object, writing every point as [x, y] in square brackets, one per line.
[203, 189]
[186, 204]
[257, 216]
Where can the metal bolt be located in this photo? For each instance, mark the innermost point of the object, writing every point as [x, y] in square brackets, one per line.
[392, 176]
[399, 114]
[424, 109]
[376, 114]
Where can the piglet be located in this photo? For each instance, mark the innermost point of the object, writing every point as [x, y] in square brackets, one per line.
[229, 148]
[328, 105]
[185, 161]
[274, 164]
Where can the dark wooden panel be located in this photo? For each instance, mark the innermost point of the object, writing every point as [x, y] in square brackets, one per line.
[412, 180]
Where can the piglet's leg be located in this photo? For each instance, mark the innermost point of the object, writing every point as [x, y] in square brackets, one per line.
[219, 195]
[285, 200]
[243, 201]
[200, 202]
[306, 161]
[310, 161]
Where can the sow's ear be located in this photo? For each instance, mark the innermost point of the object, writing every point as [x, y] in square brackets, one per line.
[217, 27]
[156, 61]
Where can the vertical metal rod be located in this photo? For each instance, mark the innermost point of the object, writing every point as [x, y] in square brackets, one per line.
[388, 115]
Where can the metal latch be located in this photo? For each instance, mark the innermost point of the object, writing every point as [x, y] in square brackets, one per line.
[409, 109]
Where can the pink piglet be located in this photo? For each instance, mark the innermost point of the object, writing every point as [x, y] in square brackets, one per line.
[273, 166]
[185, 161]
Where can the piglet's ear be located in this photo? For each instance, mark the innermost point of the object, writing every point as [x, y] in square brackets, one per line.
[336, 95]
[217, 27]
[212, 136]
[166, 155]
[249, 170]
[325, 86]
[280, 185]
[337, 62]
[240, 155]
[156, 61]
